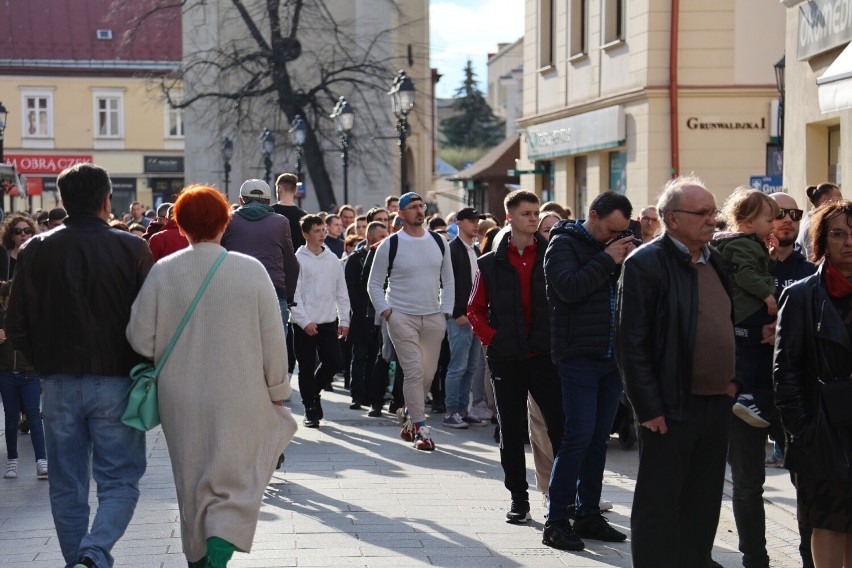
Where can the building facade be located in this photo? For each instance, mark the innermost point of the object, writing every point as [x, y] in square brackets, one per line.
[394, 33]
[506, 83]
[617, 97]
[77, 92]
[817, 115]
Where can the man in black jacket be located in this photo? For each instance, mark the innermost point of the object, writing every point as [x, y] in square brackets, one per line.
[465, 348]
[508, 312]
[582, 265]
[83, 278]
[675, 349]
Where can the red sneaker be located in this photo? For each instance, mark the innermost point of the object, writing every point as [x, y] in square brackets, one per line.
[423, 439]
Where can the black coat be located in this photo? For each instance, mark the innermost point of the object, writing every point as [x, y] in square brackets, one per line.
[657, 319]
[811, 343]
[505, 308]
[359, 299]
[461, 272]
[71, 298]
[581, 286]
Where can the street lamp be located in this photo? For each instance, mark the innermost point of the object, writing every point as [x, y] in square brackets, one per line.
[227, 154]
[344, 119]
[298, 133]
[402, 101]
[267, 141]
[3, 114]
[780, 69]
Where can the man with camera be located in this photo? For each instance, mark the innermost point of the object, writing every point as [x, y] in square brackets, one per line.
[582, 266]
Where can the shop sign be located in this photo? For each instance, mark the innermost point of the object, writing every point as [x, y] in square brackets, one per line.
[44, 163]
[588, 132]
[163, 164]
[124, 184]
[767, 184]
[698, 123]
[823, 25]
[34, 186]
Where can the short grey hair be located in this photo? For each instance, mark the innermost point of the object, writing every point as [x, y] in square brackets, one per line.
[673, 192]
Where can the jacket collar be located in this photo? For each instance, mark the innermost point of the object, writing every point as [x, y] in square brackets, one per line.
[502, 250]
[84, 221]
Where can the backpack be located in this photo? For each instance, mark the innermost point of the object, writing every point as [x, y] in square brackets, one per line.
[394, 245]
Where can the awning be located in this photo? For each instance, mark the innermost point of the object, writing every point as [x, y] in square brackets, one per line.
[494, 164]
[835, 85]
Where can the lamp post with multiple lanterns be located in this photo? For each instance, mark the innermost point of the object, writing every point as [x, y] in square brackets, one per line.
[267, 141]
[3, 114]
[227, 154]
[298, 133]
[344, 119]
[402, 102]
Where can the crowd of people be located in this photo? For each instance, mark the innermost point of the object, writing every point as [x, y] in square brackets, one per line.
[714, 328]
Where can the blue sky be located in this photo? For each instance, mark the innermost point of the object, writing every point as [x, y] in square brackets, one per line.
[470, 29]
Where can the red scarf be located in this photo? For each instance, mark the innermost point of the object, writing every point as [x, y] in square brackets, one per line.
[836, 283]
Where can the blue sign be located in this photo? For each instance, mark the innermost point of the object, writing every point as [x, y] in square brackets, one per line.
[767, 184]
[300, 190]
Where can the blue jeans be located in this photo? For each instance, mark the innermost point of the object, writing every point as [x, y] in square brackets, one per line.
[21, 392]
[591, 391]
[285, 314]
[85, 436]
[464, 360]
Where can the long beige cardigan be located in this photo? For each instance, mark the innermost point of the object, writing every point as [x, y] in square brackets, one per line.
[215, 391]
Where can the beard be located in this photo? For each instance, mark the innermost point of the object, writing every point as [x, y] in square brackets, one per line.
[786, 242]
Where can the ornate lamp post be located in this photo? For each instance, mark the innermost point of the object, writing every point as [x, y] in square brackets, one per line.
[3, 114]
[267, 141]
[227, 154]
[298, 132]
[344, 119]
[779, 82]
[402, 101]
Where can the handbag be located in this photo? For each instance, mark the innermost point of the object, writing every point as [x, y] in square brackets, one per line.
[836, 399]
[143, 412]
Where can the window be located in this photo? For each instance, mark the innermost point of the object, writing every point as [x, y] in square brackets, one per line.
[547, 33]
[38, 113]
[618, 172]
[577, 25]
[109, 113]
[614, 17]
[174, 122]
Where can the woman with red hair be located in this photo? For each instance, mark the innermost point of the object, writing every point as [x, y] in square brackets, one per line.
[222, 389]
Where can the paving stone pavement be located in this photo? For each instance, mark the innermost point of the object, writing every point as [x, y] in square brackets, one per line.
[353, 494]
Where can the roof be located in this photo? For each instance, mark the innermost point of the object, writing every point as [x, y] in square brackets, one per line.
[63, 34]
[495, 163]
[442, 168]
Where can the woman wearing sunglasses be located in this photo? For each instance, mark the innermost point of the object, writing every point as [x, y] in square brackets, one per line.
[17, 230]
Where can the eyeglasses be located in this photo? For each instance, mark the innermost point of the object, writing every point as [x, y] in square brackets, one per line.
[795, 214]
[703, 213]
[839, 235]
[420, 206]
[651, 219]
[17, 231]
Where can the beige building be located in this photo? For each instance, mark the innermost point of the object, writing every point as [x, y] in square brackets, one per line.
[397, 34]
[615, 97]
[75, 93]
[818, 94]
[505, 83]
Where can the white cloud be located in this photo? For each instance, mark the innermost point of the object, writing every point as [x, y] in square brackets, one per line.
[470, 29]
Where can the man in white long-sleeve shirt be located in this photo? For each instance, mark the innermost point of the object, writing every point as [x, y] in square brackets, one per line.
[416, 303]
[320, 315]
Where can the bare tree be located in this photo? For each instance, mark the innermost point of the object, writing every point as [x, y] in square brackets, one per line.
[293, 52]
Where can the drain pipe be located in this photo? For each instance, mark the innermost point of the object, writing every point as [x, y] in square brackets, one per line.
[673, 96]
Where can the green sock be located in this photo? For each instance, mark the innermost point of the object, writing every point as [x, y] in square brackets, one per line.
[198, 563]
[219, 552]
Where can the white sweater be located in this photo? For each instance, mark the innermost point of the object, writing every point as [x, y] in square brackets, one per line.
[321, 294]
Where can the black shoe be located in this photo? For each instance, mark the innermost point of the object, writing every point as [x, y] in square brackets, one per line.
[280, 461]
[559, 534]
[597, 527]
[497, 434]
[519, 512]
[85, 561]
[438, 408]
[311, 422]
[355, 406]
[375, 414]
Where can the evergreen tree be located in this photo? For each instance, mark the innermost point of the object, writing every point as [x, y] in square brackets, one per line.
[475, 125]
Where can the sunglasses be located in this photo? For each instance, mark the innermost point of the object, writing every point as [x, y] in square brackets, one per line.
[22, 231]
[795, 214]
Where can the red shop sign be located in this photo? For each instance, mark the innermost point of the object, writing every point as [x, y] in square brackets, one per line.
[34, 186]
[44, 163]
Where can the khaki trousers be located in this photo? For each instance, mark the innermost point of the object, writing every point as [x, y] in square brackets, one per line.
[542, 449]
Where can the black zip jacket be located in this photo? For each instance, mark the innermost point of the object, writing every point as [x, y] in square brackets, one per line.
[71, 298]
[657, 318]
[461, 270]
[811, 343]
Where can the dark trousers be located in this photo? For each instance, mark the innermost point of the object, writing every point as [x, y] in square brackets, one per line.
[438, 389]
[364, 338]
[512, 381]
[291, 351]
[678, 492]
[313, 378]
[346, 360]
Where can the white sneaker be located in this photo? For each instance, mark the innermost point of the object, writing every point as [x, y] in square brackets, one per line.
[605, 505]
[480, 411]
[41, 469]
[11, 469]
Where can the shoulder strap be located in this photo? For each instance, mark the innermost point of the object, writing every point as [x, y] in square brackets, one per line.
[393, 244]
[188, 313]
[438, 239]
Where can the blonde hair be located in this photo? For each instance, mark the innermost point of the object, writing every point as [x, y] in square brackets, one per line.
[745, 204]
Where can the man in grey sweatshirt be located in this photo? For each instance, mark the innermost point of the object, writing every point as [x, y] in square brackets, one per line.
[416, 303]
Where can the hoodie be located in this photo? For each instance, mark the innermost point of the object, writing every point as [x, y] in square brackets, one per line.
[321, 294]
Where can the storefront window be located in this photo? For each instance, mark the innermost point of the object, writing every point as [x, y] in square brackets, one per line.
[618, 172]
[834, 155]
[546, 180]
[580, 188]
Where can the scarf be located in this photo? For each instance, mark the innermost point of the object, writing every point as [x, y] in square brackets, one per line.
[837, 285]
